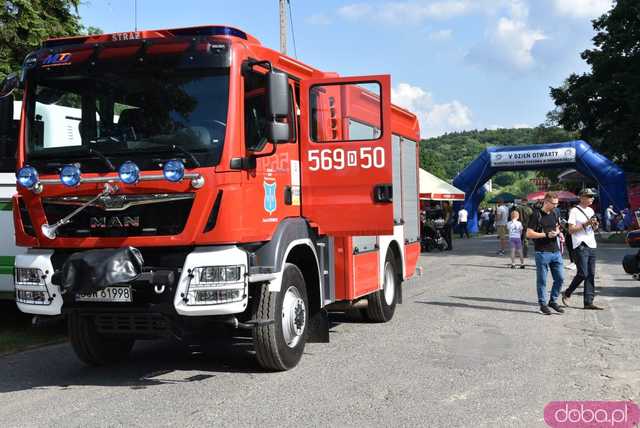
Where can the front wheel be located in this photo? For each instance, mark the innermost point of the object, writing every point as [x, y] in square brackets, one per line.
[280, 344]
[92, 347]
[381, 305]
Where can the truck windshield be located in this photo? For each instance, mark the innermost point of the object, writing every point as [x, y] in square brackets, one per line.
[128, 116]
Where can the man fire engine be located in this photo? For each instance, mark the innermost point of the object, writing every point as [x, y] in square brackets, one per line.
[214, 184]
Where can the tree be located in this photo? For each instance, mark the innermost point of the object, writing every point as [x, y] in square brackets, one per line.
[24, 24]
[603, 105]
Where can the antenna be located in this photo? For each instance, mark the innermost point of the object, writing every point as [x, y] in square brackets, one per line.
[135, 15]
[283, 27]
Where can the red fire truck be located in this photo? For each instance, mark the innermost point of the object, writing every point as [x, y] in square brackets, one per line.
[213, 184]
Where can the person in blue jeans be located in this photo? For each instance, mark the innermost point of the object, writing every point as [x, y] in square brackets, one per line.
[582, 226]
[543, 229]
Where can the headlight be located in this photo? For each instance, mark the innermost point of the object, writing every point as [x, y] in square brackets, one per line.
[214, 274]
[129, 173]
[28, 276]
[70, 175]
[214, 285]
[27, 176]
[173, 170]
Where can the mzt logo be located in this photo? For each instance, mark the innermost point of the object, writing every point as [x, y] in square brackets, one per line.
[57, 59]
[269, 196]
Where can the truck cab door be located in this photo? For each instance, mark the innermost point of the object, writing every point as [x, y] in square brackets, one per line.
[346, 165]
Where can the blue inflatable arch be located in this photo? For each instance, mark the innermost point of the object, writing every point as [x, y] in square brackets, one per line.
[574, 154]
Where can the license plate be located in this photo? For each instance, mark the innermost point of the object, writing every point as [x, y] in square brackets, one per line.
[109, 294]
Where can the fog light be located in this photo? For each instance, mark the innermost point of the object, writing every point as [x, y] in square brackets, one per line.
[28, 276]
[218, 296]
[32, 297]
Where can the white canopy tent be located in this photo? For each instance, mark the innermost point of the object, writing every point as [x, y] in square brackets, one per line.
[435, 189]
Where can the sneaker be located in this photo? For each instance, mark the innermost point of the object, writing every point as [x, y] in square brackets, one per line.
[556, 307]
[545, 310]
[521, 266]
[566, 299]
[513, 266]
[593, 307]
[571, 266]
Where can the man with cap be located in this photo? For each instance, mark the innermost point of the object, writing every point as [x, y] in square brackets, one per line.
[582, 226]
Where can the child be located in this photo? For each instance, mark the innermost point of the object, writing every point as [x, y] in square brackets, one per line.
[515, 238]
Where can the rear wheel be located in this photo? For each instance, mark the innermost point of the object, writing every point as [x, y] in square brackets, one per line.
[279, 345]
[92, 347]
[381, 305]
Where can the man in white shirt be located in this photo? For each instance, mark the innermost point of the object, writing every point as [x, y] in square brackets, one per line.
[502, 217]
[582, 225]
[462, 222]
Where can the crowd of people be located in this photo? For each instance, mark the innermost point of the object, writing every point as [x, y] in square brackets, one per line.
[552, 229]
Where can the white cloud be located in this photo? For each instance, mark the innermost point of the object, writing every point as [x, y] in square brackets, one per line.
[582, 8]
[318, 19]
[355, 11]
[509, 45]
[403, 12]
[521, 125]
[441, 35]
[435, 119]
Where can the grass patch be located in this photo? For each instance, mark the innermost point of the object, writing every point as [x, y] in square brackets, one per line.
[17, 333]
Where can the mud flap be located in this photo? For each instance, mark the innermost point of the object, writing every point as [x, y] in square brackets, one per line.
[319, 327]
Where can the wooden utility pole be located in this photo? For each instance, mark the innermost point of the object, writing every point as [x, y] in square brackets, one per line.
[283, 27]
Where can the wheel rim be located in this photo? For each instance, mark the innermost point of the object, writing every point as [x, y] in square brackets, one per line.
[389, 284]
[293, 316]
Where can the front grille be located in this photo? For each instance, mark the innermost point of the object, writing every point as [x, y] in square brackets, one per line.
[151, 324]
[156, 216]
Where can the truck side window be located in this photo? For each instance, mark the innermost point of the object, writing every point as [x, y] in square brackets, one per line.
[345, 112]
[255, 117]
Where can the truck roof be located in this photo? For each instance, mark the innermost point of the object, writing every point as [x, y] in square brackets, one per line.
[197, 31]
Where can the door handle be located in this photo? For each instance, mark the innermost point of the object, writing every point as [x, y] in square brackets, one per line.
[383, 193]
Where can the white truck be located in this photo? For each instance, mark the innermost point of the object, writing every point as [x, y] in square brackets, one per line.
[60, 126]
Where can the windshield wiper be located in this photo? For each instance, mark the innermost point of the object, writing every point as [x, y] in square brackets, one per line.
[94, 152]
[74, 153]
[172, 148]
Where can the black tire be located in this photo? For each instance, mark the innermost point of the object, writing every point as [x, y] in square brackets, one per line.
[92, 347]
[631, 263]
[379, 309]
[272, 350]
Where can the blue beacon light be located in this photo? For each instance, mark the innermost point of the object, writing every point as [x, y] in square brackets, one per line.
[70, 175]
[173, 170]
[129, 173]
[27, 176]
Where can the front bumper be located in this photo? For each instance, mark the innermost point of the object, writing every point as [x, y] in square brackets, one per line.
[177, 299]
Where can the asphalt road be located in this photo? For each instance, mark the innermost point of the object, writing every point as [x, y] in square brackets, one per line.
[467, 348]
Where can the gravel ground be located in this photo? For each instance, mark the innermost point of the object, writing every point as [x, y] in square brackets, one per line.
[467, 348]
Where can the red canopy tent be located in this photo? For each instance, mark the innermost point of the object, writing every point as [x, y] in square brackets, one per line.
[563, 196]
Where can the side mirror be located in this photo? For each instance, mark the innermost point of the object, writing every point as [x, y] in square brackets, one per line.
[278, 107]
[9, 84]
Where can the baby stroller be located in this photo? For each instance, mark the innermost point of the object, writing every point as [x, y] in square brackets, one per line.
[432, 235]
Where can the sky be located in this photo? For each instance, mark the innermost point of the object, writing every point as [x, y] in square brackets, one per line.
[457, 64]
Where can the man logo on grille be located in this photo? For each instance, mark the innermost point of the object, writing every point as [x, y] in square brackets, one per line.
[269, 197]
